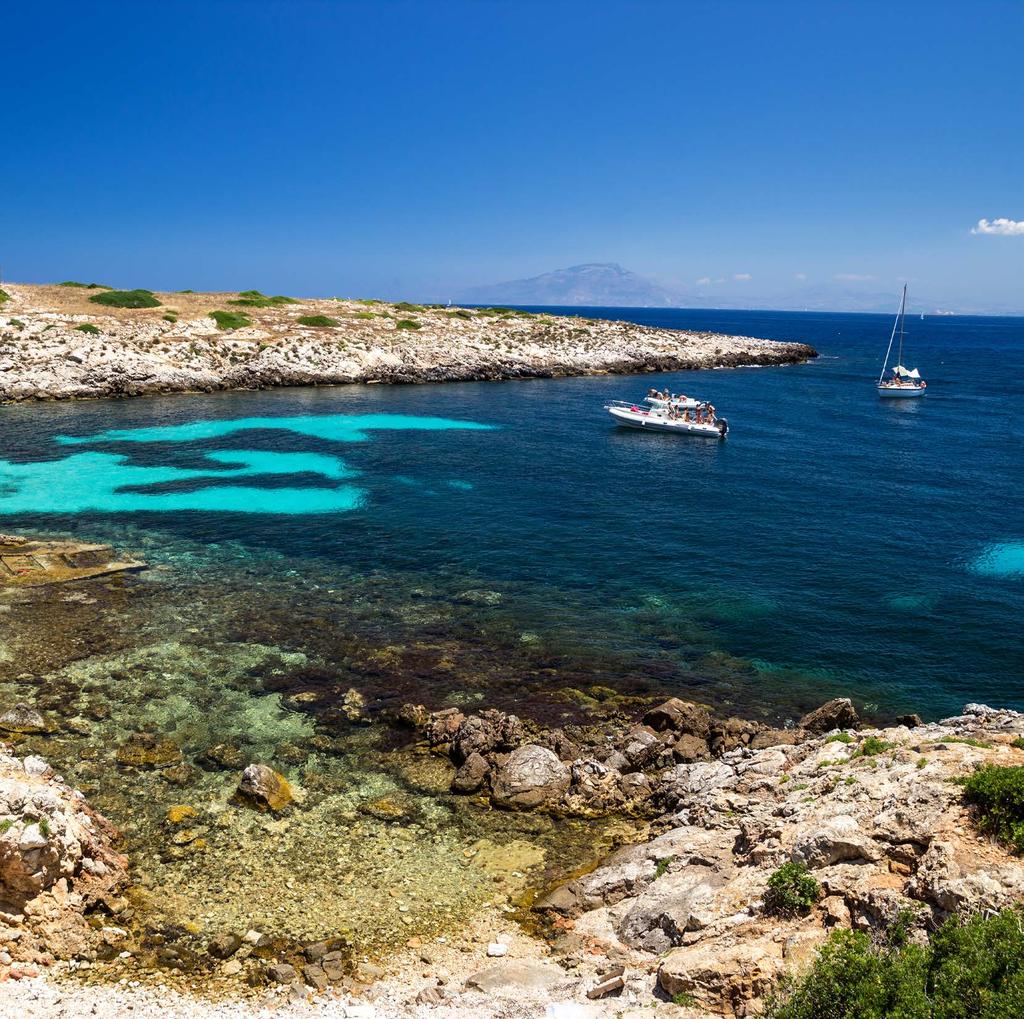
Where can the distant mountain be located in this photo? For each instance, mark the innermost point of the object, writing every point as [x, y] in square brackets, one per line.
[597, 284]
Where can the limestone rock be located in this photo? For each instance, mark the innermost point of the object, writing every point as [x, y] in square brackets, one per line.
[264, 788]
[471, 775]
[483, 733]
[23, 718]
[690, 748]
[679, 716]
[836, 840]
[514, 976]
[531, 777]
[838, 713]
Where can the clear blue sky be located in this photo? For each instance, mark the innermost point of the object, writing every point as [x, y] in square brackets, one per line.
[416, 148]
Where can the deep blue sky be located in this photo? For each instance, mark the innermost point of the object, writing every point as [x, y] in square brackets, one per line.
[416, 148]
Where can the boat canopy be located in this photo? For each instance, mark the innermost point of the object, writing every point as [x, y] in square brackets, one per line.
[906, 373]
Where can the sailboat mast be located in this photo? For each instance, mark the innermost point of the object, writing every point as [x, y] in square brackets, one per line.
[892, 335]
[903, 315]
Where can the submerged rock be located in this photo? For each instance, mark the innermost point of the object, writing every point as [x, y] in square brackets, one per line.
[24, 719]
[264, 788]
[144, 750]
[531, 777]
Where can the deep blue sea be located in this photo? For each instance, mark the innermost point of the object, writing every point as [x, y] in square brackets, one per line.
[834, 544]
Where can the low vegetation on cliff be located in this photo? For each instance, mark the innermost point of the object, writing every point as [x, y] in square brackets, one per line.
[997, 793]
[126, 299]
[969, 967]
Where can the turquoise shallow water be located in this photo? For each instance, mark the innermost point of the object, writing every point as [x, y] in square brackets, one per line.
[833, 544]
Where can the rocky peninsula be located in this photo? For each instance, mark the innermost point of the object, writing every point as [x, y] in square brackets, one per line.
[60, 342]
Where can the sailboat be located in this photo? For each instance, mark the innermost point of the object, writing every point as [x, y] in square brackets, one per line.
[903, 382]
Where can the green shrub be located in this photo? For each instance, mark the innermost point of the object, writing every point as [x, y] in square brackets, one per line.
[88, 327]
[126, 299]
[406, 306]
[364, 314]
[839, 737]
[684, 1000]
[254, 299]
[662, 866]
[17, 323]
[170, 316]
[184, 291]
[1018, 743]
[230, 319]
[460, 313]
[4, 296]
[84, 286]
[407, 323]
[998, 794]
[317, 320]
[972, 967]
[872, 746]
[792, 890]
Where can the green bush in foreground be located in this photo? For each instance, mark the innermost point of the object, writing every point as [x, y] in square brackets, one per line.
[317, 320]
[254, 299]
[998, 794]
[970, 968]
[126, 299]
[407, 323]
[88, 327]
[230, 319]
[792, 890]
[4, 296]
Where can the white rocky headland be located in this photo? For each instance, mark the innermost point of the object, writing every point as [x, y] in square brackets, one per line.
[176, 346]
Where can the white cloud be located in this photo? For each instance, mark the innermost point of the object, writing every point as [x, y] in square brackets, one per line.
[743, 276]
[1002, 226]
[801, 276]
[851, 277]
[703, 281]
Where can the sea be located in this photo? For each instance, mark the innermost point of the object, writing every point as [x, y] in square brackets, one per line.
[506, 544]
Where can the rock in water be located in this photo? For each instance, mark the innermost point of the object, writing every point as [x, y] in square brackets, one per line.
[472, 775]
[532, 776]
[679, 716]
[24, 719]
[264, 788]
[835, 714]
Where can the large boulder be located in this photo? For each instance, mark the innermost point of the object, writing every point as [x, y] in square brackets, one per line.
[57, 860]
[679, 716]
[264, 788]
[24, 719]
[471, 775]
[486, 732]
[531, 777]
[838, 713]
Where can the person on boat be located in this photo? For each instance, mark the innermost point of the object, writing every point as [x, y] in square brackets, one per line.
[686, 414]
[711, 413]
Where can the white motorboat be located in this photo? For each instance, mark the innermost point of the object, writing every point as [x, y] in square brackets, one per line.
[905, 383]
[659, 420]
[677, 402]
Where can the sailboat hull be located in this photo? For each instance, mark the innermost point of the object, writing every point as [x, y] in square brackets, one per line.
[901, 392]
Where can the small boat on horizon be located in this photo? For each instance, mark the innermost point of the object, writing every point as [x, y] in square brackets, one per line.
[903, 382]
[667, 419]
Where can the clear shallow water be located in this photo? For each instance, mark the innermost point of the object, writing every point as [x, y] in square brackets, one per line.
[834, 543]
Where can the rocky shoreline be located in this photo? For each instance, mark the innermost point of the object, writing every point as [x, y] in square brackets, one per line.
[681, 919]
[55, 344]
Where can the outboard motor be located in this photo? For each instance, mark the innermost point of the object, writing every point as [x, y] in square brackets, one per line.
[723, 427]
